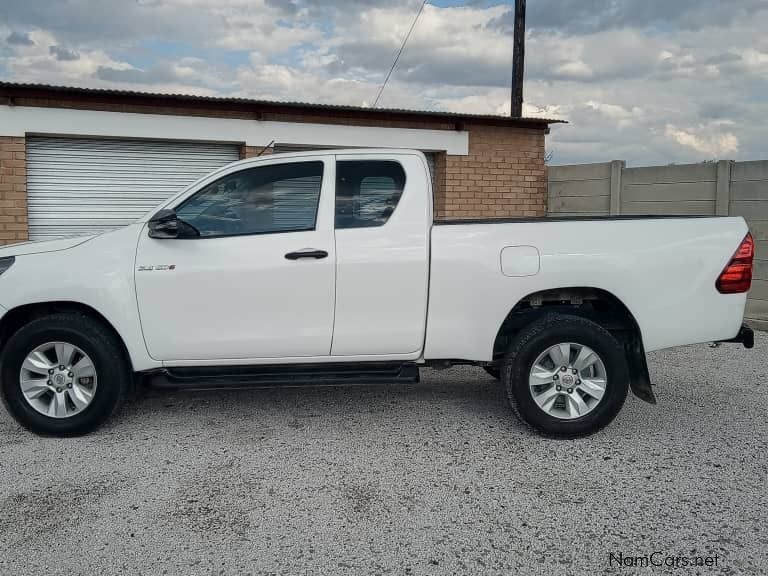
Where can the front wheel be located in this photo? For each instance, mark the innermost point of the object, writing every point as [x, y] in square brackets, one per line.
[63, 374]
[566, 376]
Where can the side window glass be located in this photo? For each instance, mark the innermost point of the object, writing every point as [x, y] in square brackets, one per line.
[267, 199]
[367, 192]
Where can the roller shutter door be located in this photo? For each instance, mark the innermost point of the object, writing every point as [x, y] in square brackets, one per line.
[85, 185]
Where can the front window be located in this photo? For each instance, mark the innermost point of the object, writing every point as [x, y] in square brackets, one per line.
[261, 200]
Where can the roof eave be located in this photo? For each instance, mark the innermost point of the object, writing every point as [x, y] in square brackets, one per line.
[12, 90]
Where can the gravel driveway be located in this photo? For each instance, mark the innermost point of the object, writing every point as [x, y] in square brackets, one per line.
[436, 478]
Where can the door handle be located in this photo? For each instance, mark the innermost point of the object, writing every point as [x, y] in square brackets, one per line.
[307, 253]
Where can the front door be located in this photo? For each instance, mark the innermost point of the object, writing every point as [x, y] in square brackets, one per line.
[246, 288]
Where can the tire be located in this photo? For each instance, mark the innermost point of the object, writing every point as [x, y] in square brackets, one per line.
[103, 360]
[564, 416]
[493, 371]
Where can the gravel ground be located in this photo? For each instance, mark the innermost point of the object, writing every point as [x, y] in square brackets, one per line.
[436, 478]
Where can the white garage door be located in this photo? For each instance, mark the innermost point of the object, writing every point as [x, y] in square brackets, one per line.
[84, 185]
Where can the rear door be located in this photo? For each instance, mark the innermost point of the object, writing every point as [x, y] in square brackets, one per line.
[382, 217]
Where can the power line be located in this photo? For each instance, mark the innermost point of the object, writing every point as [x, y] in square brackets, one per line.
[402, 47]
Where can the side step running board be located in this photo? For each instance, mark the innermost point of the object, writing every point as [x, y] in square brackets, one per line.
[284, 375]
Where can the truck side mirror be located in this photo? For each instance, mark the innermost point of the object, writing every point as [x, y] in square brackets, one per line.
[166, 224]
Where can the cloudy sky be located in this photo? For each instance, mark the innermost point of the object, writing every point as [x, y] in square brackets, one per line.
[649, 81]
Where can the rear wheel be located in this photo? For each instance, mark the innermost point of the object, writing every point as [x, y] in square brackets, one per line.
[566, 376]
[63, 374]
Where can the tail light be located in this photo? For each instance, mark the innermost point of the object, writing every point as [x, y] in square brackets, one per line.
[736, 277]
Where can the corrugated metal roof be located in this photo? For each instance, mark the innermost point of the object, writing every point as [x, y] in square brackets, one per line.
[8, 88]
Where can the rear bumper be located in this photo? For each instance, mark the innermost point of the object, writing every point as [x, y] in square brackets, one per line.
[746, 336]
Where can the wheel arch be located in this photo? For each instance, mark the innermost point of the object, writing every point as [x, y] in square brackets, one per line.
[17, 317]
[596, 304]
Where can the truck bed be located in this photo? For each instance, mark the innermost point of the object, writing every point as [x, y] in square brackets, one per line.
[663, 269]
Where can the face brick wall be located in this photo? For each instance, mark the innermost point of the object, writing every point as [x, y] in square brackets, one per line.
[503, 176]
[13, 190]
[253, 151]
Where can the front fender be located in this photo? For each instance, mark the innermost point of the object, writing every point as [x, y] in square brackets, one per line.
[97, 274]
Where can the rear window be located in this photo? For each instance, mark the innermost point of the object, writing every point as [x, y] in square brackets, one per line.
[367, 192]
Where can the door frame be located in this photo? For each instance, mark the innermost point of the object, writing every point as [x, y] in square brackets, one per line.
[325, 217]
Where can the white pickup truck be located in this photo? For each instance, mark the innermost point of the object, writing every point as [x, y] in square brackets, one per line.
[328, 267]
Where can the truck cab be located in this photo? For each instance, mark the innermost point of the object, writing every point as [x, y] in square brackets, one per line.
[294, 259]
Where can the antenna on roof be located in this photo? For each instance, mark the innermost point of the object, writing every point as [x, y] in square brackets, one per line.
[265, 148]
[402, 46]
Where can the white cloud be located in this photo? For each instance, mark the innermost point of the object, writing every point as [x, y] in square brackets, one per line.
[276, 82]
[38, 62]
[754, 61]
[706, 140]
[622, 116]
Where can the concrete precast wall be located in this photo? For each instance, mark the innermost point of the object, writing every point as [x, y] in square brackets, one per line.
[713, 188]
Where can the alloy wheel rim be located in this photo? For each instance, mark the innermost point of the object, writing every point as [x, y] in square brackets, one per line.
[58, 379]
[568, 380]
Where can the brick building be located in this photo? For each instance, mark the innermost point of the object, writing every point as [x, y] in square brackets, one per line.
[76, 160]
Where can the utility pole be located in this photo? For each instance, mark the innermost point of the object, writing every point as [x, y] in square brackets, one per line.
[518, 60]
